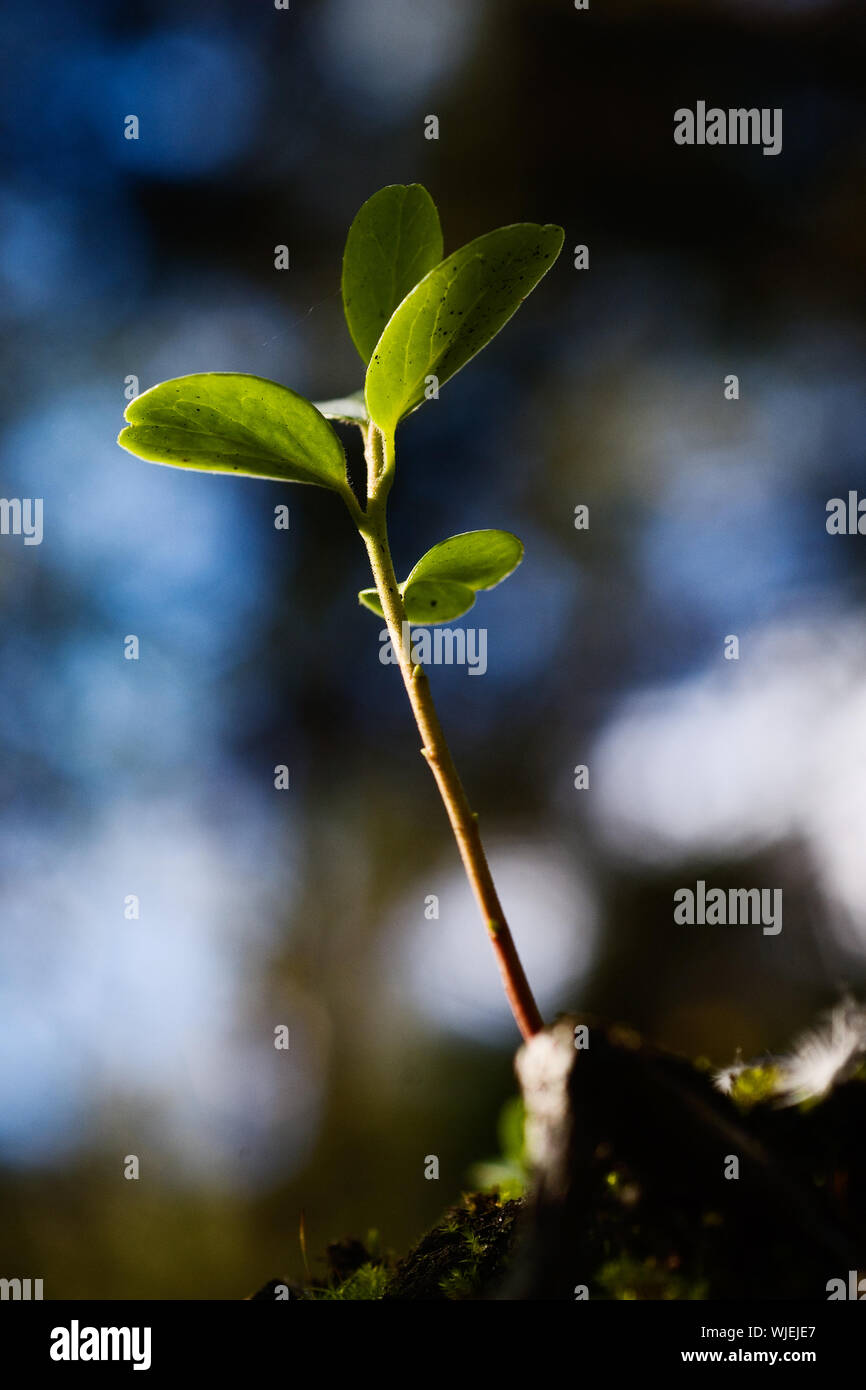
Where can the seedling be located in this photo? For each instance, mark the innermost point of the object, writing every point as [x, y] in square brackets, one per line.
[415, 319]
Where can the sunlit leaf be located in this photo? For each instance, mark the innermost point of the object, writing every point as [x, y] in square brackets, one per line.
[450, 316]
[392, 243]
[443, 584]
[227, 422]
[433, 602]
[478, 559]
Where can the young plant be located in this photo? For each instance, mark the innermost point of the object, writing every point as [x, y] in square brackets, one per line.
[415, 319]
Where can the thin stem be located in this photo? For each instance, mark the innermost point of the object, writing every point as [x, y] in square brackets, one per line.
[464, 822]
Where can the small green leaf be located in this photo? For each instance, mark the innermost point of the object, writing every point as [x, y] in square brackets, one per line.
[454, 311]
[351, 410]
[392, 243]
[227, 422]
[427, 602]
[437, 600]
[478, 559]
[443, 584]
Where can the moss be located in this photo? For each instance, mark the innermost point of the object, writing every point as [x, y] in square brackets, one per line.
[646, 1214]
[460, 1284]
[368, 1283]
[465, 1256]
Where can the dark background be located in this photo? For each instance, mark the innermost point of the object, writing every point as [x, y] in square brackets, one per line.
[707, 518]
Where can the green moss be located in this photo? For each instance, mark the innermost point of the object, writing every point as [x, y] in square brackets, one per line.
[460, 1283]
[367, 1283]
[474, 1246]
[462, 1257]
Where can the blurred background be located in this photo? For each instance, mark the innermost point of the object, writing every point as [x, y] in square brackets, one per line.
[306, 908]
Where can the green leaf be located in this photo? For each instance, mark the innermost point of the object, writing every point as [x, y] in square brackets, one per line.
[478, 559]
[437, 601]
[443, 584]
[227, 422]
[351, 410]
[427, 602]
[392, 243]
[454, 311]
